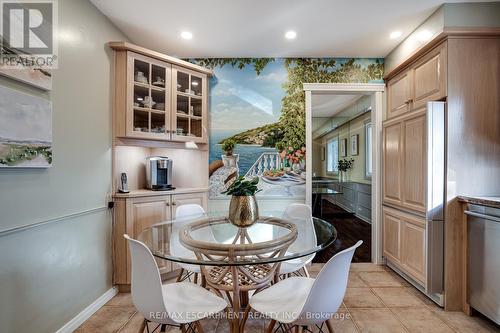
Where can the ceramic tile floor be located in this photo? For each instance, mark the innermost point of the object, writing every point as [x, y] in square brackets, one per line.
[377, 300]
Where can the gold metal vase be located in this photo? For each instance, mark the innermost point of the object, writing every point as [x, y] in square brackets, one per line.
[243, 210]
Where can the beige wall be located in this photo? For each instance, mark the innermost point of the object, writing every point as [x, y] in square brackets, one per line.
[51, 272]
[450, 15]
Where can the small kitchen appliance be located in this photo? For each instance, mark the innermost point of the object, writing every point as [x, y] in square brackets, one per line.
[159, 173]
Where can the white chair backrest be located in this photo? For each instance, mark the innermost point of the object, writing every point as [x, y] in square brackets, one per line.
[189, 210]
[184, 214]
[329, 288]
[147, 293]
[301, 216]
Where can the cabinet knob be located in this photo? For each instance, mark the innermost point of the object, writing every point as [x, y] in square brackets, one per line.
[168, 204]
[174, 203]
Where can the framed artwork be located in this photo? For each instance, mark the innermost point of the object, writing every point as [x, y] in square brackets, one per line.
[343, 148]
[39, 78]
[354, 144]
[25, 130]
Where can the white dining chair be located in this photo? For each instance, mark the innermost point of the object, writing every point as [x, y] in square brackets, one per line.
[186, 213]
[301, 301]
[301, 216]
[180, 304]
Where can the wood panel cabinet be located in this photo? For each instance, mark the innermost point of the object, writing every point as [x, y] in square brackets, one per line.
[413, 247]
[158, 97]
[189, 119]
[429, 77]
[404, 242]
[392, 147]
[422, 82]
[132, 215]
[392, 235]
[399, 92]
[405, 161]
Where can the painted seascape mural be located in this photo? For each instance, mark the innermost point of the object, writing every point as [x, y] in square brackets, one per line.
[257, 117]
[25, 130]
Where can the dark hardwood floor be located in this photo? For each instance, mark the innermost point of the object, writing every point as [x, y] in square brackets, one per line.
[350, 229]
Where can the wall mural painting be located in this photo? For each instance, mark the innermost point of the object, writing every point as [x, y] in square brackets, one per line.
[257, 110]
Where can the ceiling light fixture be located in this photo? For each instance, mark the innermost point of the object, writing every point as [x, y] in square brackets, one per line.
[290, 34]
[395, 34]
[186, 35]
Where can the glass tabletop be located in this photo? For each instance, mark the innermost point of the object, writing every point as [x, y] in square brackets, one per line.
[214, 241]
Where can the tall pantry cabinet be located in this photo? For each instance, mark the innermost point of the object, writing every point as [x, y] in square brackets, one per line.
[461, 69]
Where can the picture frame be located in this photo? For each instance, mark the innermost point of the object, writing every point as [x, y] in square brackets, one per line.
[354, 144]
[343, 148]
[37, 78]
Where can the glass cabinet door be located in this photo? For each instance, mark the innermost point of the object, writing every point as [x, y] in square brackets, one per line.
[150, 83]
[189, 114]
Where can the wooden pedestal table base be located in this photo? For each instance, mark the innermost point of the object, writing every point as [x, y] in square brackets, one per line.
[241, 266]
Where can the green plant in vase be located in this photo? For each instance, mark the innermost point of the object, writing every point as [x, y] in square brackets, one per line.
[243, 208]
[344, 166]
[228, 146]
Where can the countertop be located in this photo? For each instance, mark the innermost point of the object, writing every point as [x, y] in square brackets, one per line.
[150, 193]
[483, 201]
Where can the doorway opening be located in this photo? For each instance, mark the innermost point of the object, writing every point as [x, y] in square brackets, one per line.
[343, 126]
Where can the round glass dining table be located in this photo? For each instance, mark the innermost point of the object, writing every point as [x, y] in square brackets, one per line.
[211, 246]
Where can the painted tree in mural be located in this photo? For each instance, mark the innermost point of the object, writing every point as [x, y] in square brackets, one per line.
[315, 70]
[290, 130]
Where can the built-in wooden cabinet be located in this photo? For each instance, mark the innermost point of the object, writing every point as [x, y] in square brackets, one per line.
[392, 147]
[404, 242]
[414, 156]
[392, 236]
[429, 77]
[404, 149]
[133, 214]
[189, 119]
[399, 95]
[158, 97]
[422, 82]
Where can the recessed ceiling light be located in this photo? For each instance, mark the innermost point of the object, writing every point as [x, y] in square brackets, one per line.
[186, 35]
[290, 34]
[424, 35]
[395, 34]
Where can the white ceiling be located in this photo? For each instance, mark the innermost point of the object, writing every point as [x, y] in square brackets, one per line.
[238, 28]
[328, 105]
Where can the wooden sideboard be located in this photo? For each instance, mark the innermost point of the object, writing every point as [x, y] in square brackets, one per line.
[177, 115]
[138, 210]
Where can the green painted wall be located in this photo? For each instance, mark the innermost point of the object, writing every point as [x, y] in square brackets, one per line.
[52, 272]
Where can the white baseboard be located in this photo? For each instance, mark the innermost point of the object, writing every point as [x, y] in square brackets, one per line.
[80, 318]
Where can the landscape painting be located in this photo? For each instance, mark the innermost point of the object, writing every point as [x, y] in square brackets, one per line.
[257, 105]
[25, 130]
[39, 78]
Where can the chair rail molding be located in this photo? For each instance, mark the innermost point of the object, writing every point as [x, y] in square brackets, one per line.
[25, 227]
[378, 90]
